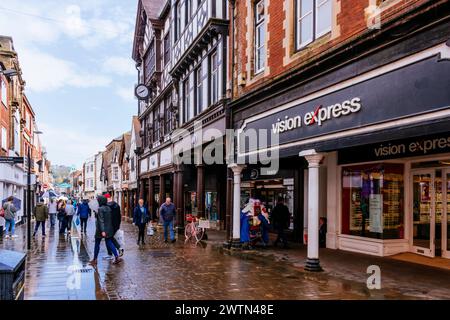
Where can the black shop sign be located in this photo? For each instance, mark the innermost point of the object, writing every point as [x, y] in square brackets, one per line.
[414, 89]
[413, 147]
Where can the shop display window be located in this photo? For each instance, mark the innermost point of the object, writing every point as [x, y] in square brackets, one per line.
[372, 201]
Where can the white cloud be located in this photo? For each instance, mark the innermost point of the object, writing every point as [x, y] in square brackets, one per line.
[44, 72]
[120, 66]
[65, 146]
[127, 94]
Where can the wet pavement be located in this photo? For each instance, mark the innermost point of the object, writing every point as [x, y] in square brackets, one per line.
[57, 270]
[177, 271]
[56, 267]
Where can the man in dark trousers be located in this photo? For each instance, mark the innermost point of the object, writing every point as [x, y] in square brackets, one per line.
[281, 219]
[140, 219]
[116, 216]
[168, 213]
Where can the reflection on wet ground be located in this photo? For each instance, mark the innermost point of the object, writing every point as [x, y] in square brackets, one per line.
[56, 267]
[166, 271]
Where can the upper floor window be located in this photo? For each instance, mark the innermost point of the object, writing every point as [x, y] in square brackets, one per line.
[189, 12]
[147, 35]
[156, 125]
[4, 137]
[214, 77]
[150, 62]
[132, 164]
[313, 20]
[199, 89]
[187, 101]
[260, 36]
[3, 92]
[178, 21]
[116, 173]
[168, 115]
[167, 48]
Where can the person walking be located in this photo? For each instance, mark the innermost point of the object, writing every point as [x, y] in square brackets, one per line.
[40, 213]
[140, 219]
[167, 213]
[52, 211]
[10, 216]
[62, 216]
[84, 212]
[281, 219]
[104, 230]
[70, 212]
[116, 220]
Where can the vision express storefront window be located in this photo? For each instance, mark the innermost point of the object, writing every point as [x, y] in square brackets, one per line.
[372, 201]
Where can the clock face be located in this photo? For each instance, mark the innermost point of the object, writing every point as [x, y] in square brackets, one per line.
[142, 91]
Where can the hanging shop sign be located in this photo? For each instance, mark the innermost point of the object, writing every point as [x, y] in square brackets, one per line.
[411, 90]
[413, 147]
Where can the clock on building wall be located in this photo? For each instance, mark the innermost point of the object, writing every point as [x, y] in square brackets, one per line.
[142, 92]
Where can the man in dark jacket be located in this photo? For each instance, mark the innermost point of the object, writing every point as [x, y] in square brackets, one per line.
[84, 212]
[167, 213]
[116, 221]
[104, 230]
[140, 219]
[40, 213]
[281, 219]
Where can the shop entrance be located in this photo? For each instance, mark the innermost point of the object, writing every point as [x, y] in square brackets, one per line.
[431, 212]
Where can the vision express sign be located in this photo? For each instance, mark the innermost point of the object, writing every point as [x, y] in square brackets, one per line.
[421, 146]
[411, 90]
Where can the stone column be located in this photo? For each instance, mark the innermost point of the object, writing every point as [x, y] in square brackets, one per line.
[236, 235]
[200, 190]
[178, 195]
[162, 191]
[314, 159]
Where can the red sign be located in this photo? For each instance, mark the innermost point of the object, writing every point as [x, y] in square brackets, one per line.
[45, 186]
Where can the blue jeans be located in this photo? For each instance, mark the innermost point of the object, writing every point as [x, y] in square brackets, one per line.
[52, 219]
[36, 227]
[169, 224]
[109, 245]
[10, 223]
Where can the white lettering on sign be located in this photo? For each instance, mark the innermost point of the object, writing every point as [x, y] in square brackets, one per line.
[423, 147]
[318, 116]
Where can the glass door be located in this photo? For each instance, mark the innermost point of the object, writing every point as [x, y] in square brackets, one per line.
[446, 215]
[424, 212]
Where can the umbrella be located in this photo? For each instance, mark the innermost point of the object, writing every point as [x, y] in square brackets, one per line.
[16, 201]
[64, 198]
[49, 194]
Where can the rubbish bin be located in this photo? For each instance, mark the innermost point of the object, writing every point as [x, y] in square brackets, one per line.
[12, 275]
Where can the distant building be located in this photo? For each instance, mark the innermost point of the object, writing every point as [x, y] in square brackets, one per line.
[89, 180]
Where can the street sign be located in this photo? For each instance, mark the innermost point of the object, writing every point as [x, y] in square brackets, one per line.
[11, 160]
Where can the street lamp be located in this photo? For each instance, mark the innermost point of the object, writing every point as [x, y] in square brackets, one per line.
[29, 196]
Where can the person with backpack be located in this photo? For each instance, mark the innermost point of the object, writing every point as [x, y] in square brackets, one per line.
[140, 219]
[70, 211]
[104, 230]
[84, 212]
[167, 213]
[10, 216]
[62, 216]
[40, 213]
[116, 216]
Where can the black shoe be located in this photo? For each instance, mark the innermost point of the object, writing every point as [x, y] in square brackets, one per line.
[174, 240]
[165, 241]
[138, 243]
[143, 243]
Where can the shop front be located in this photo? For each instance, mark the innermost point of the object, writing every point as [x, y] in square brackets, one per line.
[373, 138]
[400, 203]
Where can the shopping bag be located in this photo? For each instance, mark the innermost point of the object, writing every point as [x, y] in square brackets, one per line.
[120, 237]
[77, 221]
[150, 230]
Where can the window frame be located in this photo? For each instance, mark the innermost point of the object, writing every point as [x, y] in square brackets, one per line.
[168, 116]
[214, 77]
[166, 52]
[186, 101]
[259, 25]
[3, 92]
[299, 45]
[198, 89]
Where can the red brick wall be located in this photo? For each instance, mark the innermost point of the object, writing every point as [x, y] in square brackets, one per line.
[4, 119]
[351, 21]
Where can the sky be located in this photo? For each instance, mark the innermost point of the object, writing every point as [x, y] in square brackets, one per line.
[76, 60]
